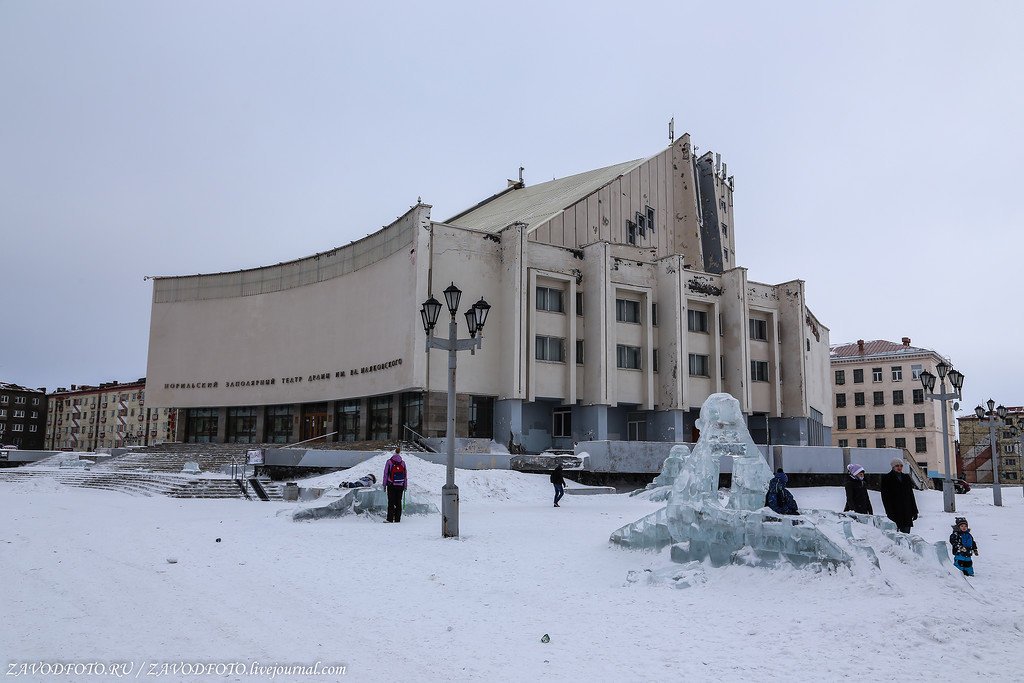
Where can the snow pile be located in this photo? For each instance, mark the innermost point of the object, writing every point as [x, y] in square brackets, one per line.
[474, 485]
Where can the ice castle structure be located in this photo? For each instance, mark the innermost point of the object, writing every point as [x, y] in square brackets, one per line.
[702, 524]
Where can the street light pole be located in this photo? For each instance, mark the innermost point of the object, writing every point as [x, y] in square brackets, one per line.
[476, 316]
[956, 379]
[992, 418]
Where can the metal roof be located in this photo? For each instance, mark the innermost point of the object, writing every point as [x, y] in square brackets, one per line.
[535, 204]
[876, 347]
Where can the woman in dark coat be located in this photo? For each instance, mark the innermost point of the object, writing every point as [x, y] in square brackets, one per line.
[898, 497]
[857, 492]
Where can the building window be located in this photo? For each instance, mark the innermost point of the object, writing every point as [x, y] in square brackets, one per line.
[880, 443]
[33, 428]
[862, 443]
[579, 304]
[918, 396]
[19, 413]
[3, 413]
[627, 357]
[654, 315]
[641, 222]
[627, 311]
[897, 373]
[561, 423]
[844, 443]
[879, 421]
[698, 365]
[840, 376]
[840, 400]
[858, 376]
[19, 400]
[726, 254]
[35, 401]
[201, 425]
[636, 427]
[899, 421]
[550, 349]
[860, 422]
[858, 398]
[915, 372]
[650, 217]
[920, 444]
[549, 299]
[759, 371]
[481, 417]
[241, 427]
[411, 410]
[279, 421]
[758, 329]
[919, 420]
[17, 427]
[696, 321]
[876, 374]
[841, 422]
[5, 399]
[878, 398]
[630, 232]
[897, 397]
[901, 442]
[579, 352]
[654, 360]
[380, 418]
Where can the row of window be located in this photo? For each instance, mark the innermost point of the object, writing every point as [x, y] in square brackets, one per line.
[876, 374]
[878, 398]
[18, 400]
[92, 400]
[18, 427]
[898, 421]
[18, 413]
[920, 443]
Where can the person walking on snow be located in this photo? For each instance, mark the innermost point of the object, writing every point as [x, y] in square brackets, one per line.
[559, 482]
[857, 499]
[395, 480]
[964, 546]
[898, 497]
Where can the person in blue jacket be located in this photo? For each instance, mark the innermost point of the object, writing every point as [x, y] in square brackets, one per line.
[778, 498]
[964, 546]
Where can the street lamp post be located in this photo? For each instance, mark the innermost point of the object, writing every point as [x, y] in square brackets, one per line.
[476, 316]
[956, 379]
[992, 418]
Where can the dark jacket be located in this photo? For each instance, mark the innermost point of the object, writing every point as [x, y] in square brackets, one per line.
[556, 476]
[898, 498]
[963, 543]
[857, 497]
[778, 498]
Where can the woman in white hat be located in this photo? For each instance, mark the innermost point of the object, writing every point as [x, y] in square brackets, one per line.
[857, 492]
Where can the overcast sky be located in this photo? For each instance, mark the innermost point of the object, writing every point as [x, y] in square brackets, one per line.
[877, 149]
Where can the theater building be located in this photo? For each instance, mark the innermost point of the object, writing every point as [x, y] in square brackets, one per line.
[617, 308]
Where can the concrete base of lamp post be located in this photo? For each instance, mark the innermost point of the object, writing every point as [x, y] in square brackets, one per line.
[450, 511]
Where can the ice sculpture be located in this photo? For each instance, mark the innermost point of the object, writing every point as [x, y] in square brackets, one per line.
[373, 500]
[661, 487]
[700, 526]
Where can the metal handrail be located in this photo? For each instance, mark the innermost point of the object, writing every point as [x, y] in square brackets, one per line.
[418, 439]
[919, 476]
[322, 436]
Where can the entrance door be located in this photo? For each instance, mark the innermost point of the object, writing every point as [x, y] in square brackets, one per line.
[314, 421]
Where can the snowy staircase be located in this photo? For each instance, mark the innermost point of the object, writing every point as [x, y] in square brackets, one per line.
[143, 484]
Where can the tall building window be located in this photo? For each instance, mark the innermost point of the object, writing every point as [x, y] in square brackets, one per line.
[561, 423]
[627, 357]
[840, 400]
[758, 371]
[627, 311]
[897, 397]
[915, 372]
[698, 365]
[858, 398]
[862, 443]
[858, 376]
[696, 321]
[840, 376]
[201, 425]
[901, 442]
[876, 374]
[579, 352]
[758, 329]
[412, 410]
[279, 423]
[899, 421]
[920, 444]
[841, 422]
[550, 349]
[380, 418]
[844, 443]
[897, 373]
[549, 299]
[919, 420]
[880, 443]
[879, 421]
[579, 304]
[861, 422]
[241, 427]
[481, 417]
[918, 395]
[878, 398]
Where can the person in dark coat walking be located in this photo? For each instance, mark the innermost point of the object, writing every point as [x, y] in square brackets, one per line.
[559, 482]
[778, 498]
[396, 478]
[857, 499]
[964, 546]
[898, 497]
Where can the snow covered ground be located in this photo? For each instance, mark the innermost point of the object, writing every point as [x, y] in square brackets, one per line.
[87, 579]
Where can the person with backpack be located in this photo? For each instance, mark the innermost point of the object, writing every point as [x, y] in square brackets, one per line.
[395, 480]
[964, 546]
[778, 498]
[559, 482]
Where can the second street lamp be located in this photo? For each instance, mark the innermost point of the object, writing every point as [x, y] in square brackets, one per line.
[956, 378]
[476, 316]
[993, 418]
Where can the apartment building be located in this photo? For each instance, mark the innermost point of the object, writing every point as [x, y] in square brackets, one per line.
[879, 401]
[976, 448]
[110, 415]
[22, 416]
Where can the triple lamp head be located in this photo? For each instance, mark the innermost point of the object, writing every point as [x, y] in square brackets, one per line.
[476, 315]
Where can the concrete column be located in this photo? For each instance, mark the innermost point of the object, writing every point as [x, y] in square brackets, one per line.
[672, 361]
[591, 424]
[665, 425]
[261, 424]
[508, 420]
[736, 342]
[222, 425]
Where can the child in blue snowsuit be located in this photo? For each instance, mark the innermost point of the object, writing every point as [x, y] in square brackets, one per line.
[964, 546]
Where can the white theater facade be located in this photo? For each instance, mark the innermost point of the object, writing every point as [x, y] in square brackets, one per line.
[617, 308]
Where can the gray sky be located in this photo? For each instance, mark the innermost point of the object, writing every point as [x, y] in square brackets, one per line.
[876, 148]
